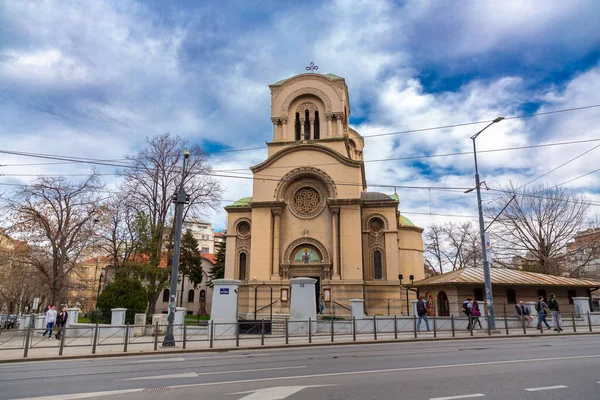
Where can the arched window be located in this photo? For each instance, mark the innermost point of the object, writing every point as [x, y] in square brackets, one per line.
[306, 125]
[511, 296]
[243, 268]
[166, 296]
[297, 126]
[191, 296]
[377, 267]
[317, 126]
[203, 295]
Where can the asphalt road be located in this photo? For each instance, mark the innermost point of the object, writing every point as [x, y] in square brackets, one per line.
[503, 368]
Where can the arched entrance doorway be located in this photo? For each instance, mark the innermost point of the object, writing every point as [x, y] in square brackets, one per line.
[443, 304]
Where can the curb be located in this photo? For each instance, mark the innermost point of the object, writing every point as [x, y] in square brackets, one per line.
[281, 346]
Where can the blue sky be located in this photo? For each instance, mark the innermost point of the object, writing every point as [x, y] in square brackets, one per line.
[94, 79]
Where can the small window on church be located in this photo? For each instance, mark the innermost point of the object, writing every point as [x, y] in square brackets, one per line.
[306, 125]
[298, 126]
[165, 296]
[377, 267]
[191, 296]
[243, 269]
[317, 126]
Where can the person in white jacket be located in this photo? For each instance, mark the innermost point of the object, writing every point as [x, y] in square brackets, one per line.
[50, 321]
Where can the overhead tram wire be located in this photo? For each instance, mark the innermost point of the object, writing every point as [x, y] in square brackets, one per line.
[389, 133]
[560, 166]
[424, 156]
[579, 177]
[546, 198]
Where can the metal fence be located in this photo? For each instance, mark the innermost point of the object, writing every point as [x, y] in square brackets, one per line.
[93, 339]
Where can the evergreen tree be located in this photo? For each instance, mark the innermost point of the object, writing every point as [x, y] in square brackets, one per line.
[218, 270]
[123, 293]
[190, 262]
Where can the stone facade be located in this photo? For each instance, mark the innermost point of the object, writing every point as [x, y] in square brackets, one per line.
[310, 214]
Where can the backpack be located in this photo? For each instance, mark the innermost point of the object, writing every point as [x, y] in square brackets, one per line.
[476, 312]
[421, 310]
[465, 308]
[553, 304]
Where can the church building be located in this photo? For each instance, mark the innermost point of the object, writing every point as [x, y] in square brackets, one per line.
[310, 214]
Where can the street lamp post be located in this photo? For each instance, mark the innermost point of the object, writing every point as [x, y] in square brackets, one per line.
[486, 265]
[181, 199]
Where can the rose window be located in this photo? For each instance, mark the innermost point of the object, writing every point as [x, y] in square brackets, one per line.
[244, 228]
[307, 200]
[376, 225]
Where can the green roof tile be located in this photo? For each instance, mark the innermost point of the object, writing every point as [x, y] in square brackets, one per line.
[243, 202]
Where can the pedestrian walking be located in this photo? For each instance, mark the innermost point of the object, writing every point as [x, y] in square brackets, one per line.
[542, 309]
[467, 308]
[524, 312]
[422, 313]
[50, 321]
[476, 313]
[61, 322]
[555, 311]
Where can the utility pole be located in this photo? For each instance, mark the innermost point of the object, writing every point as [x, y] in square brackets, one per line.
[489, 300]
[181, 199]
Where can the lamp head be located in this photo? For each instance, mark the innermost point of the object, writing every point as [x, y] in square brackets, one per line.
[498, 119]
[186, 154]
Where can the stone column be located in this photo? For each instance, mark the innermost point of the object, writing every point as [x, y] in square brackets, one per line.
[72, 316]
[283, 129]
[329, 126]
[40, 322]
[335, 211]
[338, 119]
[302, 129]
[276, 275]
[275, 129]
[312, 128]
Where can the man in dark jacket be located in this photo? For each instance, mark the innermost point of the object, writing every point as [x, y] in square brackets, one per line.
[555, 311]
[61, 322]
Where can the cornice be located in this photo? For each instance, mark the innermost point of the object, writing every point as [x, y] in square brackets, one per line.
[268, 204]
[378, 204]
[307, 147]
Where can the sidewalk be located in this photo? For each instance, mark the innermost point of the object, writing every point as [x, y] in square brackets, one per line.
[48, 349]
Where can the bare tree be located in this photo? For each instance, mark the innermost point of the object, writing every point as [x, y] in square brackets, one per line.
[55, 216]
[452, 246]
[19, 281]
[435, 248]
[116, 233]
[149, 186]
[533, 231]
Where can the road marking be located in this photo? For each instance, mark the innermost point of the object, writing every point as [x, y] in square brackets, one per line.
[197, 374]
[76, 396]
[160, 360]
[174, 376]
[275, 393]
[312, 376]
[463, 396]
[546, 388]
